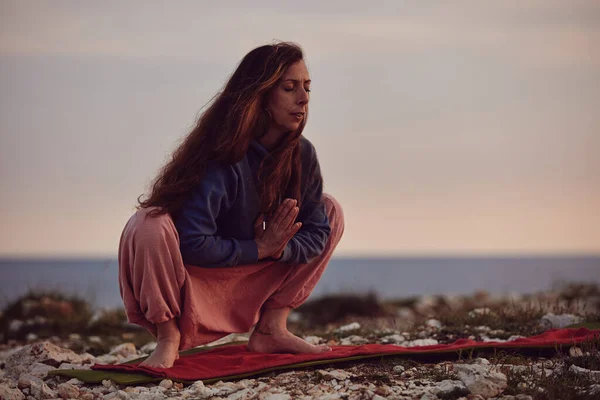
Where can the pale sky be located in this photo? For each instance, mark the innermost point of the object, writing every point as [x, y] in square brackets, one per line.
[443, 128]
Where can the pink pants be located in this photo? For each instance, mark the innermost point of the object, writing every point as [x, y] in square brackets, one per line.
[209, 303]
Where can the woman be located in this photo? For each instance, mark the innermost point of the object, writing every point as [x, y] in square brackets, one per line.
[236, 230]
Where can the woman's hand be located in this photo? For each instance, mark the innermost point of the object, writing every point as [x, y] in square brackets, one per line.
[280, 229]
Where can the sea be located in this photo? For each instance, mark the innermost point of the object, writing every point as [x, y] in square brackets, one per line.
[388, 278]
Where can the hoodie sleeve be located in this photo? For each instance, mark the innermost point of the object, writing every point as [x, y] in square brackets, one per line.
[309, 242]
[197, 227]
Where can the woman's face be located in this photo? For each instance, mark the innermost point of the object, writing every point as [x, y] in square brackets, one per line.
[288, 100]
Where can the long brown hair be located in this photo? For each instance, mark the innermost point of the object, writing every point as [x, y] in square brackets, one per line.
[224, 131]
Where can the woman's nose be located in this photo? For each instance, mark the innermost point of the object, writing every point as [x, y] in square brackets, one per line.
[303, 97]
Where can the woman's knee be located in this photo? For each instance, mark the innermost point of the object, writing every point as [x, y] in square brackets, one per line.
[335, 212]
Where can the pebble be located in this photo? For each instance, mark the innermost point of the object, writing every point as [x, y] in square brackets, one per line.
[434, 323]
[31, 337]
[559, 321]
[124, 350]
[313, 339]
[479, 311]
[148, 347]
[575, 351]
[353, 340]
[95, 339]
[350, 327]
[421, 342]
[68, 391]
[395, 338]
[480, 379]
[166, 383]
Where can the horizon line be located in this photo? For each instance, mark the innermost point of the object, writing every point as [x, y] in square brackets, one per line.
[371, 256]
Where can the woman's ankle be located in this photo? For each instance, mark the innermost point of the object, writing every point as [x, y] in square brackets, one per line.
[273, 320]
[168, 331]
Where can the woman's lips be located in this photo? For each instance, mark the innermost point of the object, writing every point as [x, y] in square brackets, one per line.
[298, 116]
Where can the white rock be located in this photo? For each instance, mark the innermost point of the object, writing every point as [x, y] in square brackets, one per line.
[579, 370]
[395, 338]
[353, 340]
[44, 352]
[338, 374]
[107, 359]
[41, 390]
[225, 388]
[480, 311]
[434, 323]
[481, 380]
[95, 339]
[197, 389]
[575, 351]
[124, 350]
[313, 339]
[75, 382]
[40, 370]
[166, 383]
[15, 325]
[488, 339]
[559, 321]
[242, 394]
[123, 395]
[87, 358]
[8, 393]
[447, 386]
[350, 327]
[31, 337]
[108, 386]
[399, 369]
[148, 347]
[421, 342]
[68, 391]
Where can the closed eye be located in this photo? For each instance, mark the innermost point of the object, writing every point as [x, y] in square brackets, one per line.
[289, 90]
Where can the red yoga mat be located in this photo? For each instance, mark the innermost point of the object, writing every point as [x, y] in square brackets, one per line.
[236, 359]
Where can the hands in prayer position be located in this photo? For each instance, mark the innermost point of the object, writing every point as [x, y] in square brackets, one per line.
[280, 228]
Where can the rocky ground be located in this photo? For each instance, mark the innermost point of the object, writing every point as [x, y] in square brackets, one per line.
[43, 332]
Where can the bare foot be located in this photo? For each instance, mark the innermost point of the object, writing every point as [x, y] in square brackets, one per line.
[282, 342]
[164, 355]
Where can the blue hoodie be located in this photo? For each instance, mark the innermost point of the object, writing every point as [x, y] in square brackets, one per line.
[216, 223]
